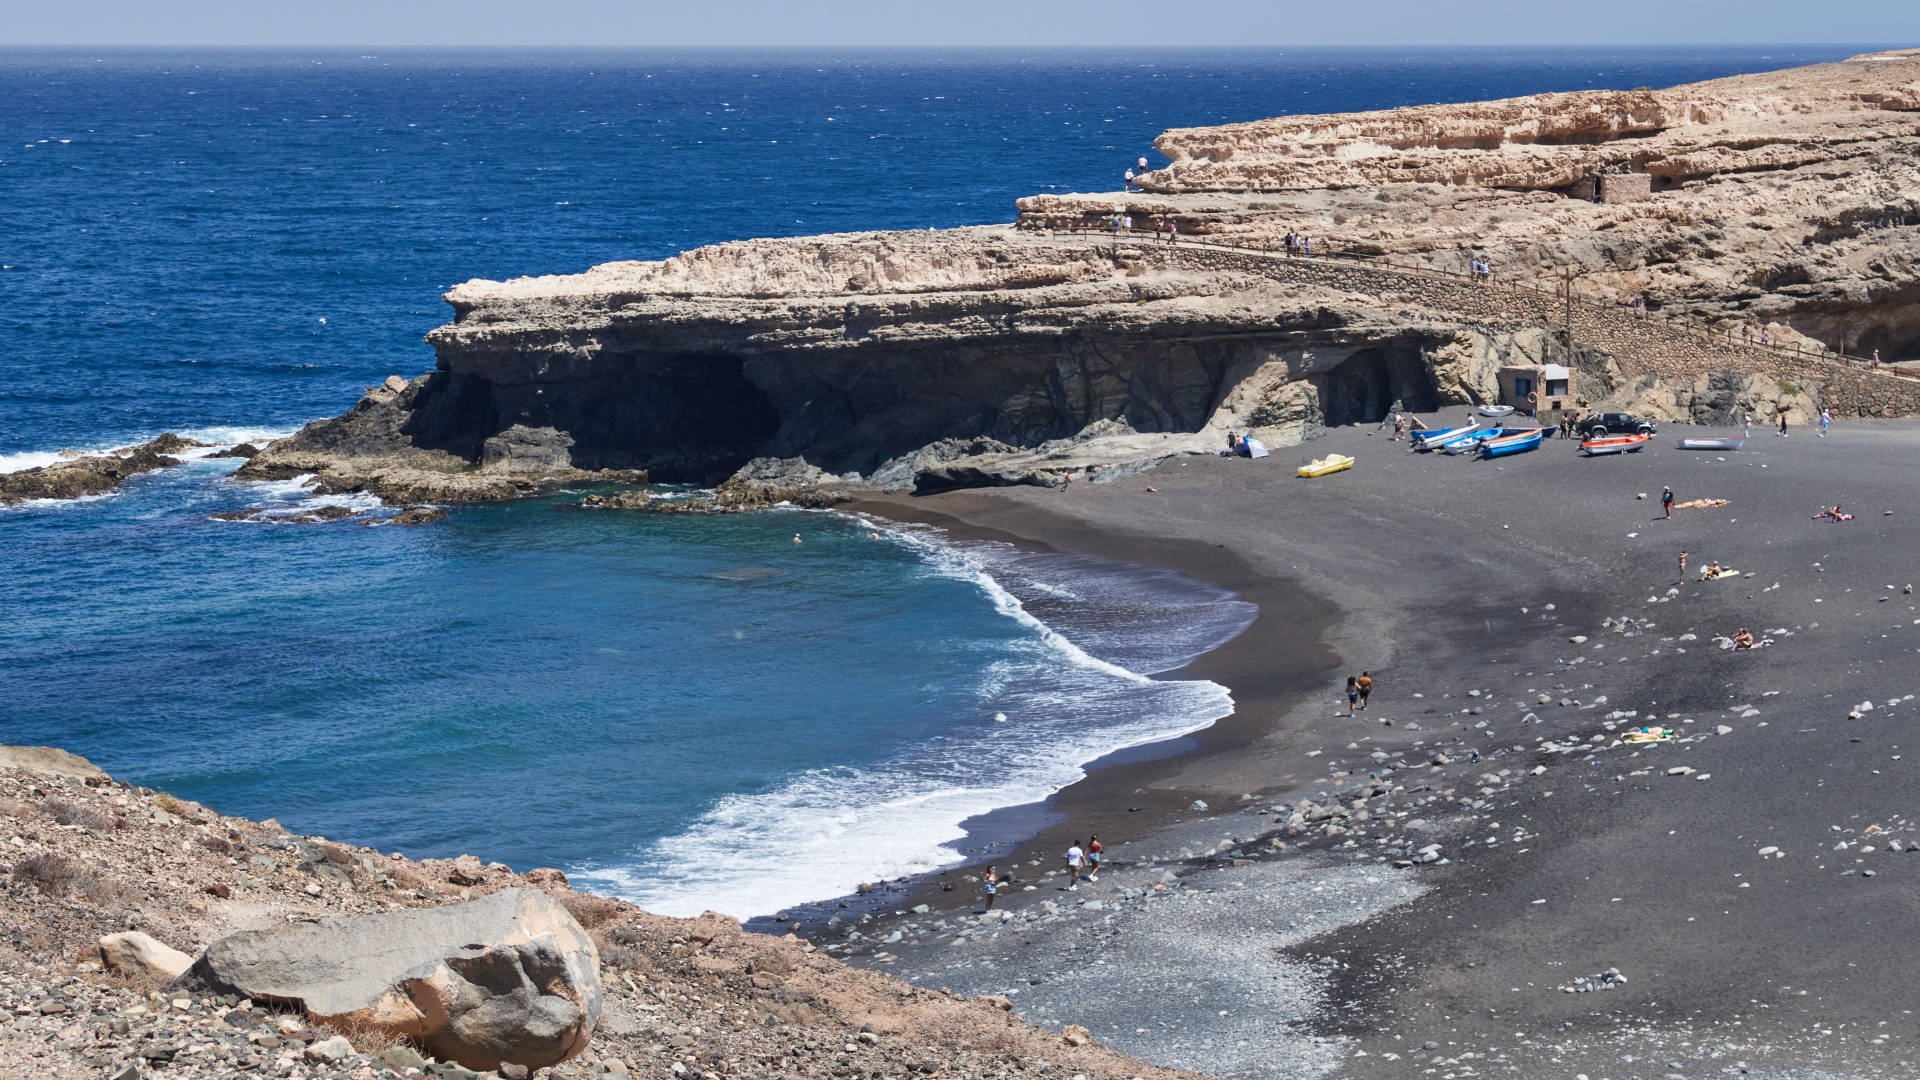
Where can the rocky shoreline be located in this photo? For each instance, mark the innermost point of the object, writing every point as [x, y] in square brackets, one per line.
[111, 889]
[83, 476]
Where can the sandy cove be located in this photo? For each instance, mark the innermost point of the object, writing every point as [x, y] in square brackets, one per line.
[1486, 598]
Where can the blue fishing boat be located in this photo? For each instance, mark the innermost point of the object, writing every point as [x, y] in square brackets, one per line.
[1427, 440]
[1468, 443]
[1513, 444]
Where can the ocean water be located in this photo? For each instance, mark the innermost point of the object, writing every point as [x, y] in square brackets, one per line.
[697, 713]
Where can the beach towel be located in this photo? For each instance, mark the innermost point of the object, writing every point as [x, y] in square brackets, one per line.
[1701, 504]
[1650, 735]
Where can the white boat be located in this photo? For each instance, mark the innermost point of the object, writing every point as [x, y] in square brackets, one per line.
[1731, 442]
[1496, 410]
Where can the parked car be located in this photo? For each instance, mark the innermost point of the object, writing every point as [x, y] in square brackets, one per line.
[1601, 425]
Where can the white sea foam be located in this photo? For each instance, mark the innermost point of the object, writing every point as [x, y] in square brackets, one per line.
[30, 459]
[221, 438]
[820, 834]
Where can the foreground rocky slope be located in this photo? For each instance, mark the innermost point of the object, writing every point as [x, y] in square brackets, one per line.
[86, 857]
[1783, 205]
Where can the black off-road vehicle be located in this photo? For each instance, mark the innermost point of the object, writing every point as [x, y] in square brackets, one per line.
[1601, 425]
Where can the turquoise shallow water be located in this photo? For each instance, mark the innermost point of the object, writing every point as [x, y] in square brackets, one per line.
[698, 713]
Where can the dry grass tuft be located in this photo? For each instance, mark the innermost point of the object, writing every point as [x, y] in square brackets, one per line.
[365, 1038]
[57, 875]
[67, 813]
[593, 911]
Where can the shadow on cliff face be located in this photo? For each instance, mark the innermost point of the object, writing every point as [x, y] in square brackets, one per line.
[694, 418]
[1368, 384]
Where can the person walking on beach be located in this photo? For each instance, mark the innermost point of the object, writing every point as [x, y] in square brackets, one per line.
[1093, 857]
[1683, 568]
[992, 883]
[1666, 502]
[1746, 426]
[1364, 684]
[1353, 694]
[1075, 856]
[1783, 424]
[1826, 421]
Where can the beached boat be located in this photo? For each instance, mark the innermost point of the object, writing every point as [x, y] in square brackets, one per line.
[1614, 444]
[1733, 442]
[1513, 444]
[1427, 440]
[1496, 410]
[1332, 463]
[1468, 443]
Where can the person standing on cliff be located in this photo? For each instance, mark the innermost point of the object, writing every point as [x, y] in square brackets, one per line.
[1876, 358]
[1141, 165]
[1129, 179]
[1173, 231]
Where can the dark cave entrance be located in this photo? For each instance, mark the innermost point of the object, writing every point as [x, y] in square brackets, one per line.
[1365, 387]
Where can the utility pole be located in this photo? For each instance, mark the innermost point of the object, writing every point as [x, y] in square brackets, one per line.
[1569, 316]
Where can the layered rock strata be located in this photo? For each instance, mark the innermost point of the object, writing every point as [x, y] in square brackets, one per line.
[1785, 205]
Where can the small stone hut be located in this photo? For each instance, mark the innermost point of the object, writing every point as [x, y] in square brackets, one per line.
[1544, 390]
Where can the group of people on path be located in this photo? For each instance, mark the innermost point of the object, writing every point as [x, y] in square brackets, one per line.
[1480, 270]
[1079, 857]
[1299, 245]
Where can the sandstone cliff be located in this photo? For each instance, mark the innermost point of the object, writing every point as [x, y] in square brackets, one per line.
[1787, 203]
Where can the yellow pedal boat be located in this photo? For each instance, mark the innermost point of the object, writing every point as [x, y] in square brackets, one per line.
[1332, 463]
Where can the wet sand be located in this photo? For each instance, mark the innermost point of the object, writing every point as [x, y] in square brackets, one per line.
[1436, 574]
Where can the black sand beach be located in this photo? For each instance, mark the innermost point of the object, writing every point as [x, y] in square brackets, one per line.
[1446, 577]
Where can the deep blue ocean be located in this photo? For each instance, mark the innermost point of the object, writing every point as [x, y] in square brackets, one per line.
[697, 713]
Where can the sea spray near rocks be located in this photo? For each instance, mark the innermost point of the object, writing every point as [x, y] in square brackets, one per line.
[1066, 702]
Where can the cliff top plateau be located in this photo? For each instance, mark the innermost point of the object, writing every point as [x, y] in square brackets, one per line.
[1728, 244]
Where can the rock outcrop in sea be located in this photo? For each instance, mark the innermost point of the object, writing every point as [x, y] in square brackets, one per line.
[1728, 245]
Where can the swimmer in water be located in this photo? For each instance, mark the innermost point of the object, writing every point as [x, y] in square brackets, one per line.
[796, 538]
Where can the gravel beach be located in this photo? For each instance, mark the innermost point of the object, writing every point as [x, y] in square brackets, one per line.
[1477, 875]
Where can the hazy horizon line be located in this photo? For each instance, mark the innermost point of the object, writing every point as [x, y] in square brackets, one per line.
[980, 47]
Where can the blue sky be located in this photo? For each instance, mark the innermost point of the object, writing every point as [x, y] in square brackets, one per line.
[1016, 23]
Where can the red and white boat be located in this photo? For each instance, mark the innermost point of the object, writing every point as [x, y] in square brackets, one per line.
[1614, 444]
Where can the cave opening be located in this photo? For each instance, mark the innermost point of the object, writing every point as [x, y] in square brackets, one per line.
[1369, 384]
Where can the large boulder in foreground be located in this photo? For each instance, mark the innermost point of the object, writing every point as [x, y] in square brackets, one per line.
[509, 978]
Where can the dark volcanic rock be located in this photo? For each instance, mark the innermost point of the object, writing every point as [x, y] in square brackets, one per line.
[91, 475]
[415, 515]
[244, 450]
[760, 484]
[428, 440]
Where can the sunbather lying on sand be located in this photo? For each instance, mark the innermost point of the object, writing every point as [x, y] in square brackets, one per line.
[1743, 639]
[1701, 504]
[1832, 514]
